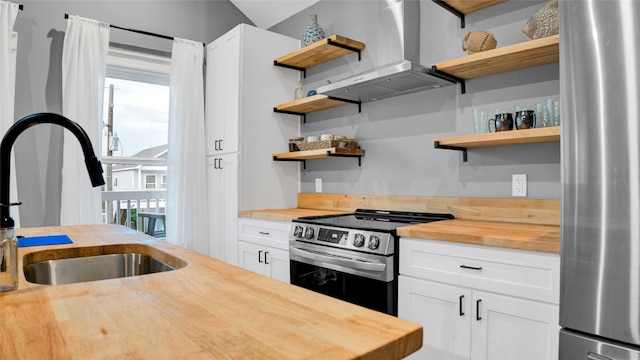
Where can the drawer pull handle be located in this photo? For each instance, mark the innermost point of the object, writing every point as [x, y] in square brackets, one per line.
[461, 312]
[263, 233]
[478, 318]
[471, 267]
[594, 356]
[260, 256]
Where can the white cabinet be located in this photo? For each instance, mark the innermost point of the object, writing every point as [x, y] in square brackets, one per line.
[264, 248]
[242, 86]
[476, 302]
[222, 195]
[222, 96]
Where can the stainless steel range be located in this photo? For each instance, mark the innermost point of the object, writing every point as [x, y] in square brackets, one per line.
[352, 257]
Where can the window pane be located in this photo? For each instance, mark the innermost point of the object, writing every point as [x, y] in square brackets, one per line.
[140, 116]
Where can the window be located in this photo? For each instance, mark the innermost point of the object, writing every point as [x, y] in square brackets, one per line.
[134, 141]
[150, 181]
[135, 117]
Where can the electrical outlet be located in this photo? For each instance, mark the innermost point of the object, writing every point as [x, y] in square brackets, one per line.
[519, 185]
[318, 185]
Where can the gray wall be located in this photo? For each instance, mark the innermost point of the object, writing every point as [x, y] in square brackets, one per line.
[397, 133]
[41, 28]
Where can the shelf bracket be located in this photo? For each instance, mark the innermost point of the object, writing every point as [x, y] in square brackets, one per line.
[304, 116]
[304, 162]
[329, 154]
[452, 10]
[304, 71]
[345, 47]
[437, 145]
[359, 103]
[446, 76]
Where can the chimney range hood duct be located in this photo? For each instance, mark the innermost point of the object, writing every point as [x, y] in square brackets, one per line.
[399, 42]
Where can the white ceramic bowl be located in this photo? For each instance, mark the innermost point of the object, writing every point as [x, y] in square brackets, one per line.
[324, 137]
[313, 138]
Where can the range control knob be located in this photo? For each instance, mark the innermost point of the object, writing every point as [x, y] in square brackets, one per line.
[374, 242]
[308, 233]
[358, 240]
[297, 232]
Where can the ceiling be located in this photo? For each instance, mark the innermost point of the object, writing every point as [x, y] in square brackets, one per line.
[266, 13]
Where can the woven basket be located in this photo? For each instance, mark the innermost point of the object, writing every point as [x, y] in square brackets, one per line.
[477, 41]
[326, 144]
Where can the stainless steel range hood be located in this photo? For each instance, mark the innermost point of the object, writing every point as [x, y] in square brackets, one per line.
[399, 44]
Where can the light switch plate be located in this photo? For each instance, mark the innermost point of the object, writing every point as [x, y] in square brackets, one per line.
[519, 185]
[318, 185]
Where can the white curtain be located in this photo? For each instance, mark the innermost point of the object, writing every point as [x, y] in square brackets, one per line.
[8, 51]
[84, 65]
[187, 219]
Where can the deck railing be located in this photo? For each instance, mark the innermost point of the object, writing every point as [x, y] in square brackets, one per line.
[122, 207]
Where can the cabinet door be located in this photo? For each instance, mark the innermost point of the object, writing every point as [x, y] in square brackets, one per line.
[513, 328]
[278, 264]
[251, 257]
[445, 314]
[223, 93]
[222, 192]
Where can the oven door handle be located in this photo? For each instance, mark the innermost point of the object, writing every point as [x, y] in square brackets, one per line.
[339, 260]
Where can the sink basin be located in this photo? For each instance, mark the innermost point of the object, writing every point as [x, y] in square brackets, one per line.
[74, 265]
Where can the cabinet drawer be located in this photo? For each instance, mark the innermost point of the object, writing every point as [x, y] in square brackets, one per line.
[527, 274]
[267, 233]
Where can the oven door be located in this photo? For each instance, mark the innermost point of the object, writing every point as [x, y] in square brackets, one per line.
[346, 275]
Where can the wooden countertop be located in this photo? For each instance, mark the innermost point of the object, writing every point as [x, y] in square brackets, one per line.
[287, 214]
[492, 233]
[207, 309]
[524, 236]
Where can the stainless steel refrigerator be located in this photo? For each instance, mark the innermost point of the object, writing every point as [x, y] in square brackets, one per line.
[600, 252]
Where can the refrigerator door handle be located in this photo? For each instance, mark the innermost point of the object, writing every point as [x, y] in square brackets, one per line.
[594, 356]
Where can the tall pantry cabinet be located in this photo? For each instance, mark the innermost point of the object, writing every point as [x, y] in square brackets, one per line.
[242, 131]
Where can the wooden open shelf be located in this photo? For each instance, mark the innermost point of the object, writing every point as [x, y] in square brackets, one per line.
[319, 52]
[462, 7]
[507, 58]
[312, 103]
[502, 138]
[303, 156]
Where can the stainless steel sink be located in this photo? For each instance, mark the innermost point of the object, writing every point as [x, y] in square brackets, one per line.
[74, 269]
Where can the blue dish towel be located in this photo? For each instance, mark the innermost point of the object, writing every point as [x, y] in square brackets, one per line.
[44, 240]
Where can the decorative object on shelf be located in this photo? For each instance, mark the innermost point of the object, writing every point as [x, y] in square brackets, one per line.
[544, 22]
[525, 119]
[481, 120]
[312, 92]
[314, 32]
[292, 143]
[502, 122]
[299, 93]
[327, 144]
[477, 41]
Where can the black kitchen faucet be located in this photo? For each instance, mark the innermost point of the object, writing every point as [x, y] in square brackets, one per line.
[91, 161]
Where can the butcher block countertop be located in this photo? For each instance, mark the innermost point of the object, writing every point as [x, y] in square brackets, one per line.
[524, 236]
[287, 214]
[207, 309]
[534, 237]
